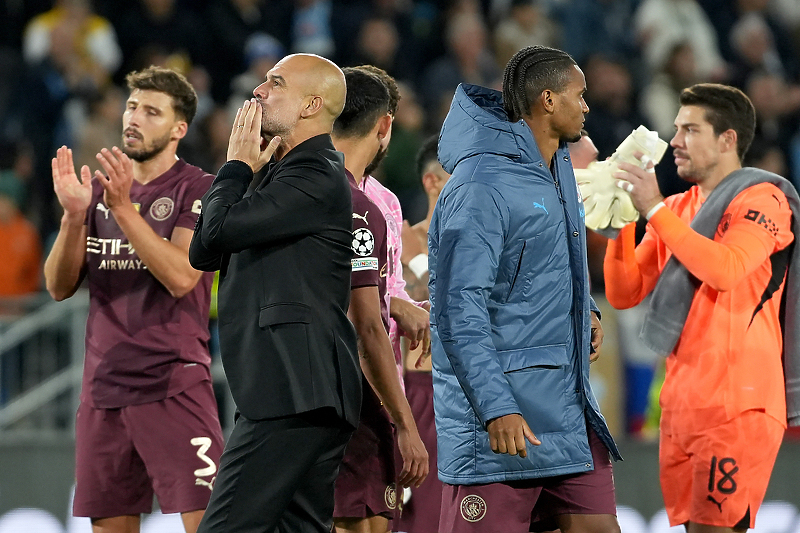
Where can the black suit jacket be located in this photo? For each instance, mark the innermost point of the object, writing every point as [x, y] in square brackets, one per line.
[283, 252]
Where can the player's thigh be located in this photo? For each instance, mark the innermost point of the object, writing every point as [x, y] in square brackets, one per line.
[365, 485]
[730, 474]
[180, 440]
[676, 478]
[489, 508]
[584, 502]
[110, 477]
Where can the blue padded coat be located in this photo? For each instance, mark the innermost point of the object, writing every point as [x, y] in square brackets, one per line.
[510, 302]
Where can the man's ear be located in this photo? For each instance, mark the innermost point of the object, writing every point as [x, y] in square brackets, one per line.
[729, 140]
[384, 126]
[313, 105]
[179, 130]
[546, 98]
[428, 182]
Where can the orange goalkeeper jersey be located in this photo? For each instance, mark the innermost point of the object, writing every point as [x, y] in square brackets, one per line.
[728, 357]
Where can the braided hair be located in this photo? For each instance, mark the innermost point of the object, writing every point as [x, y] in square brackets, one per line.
[529, 72]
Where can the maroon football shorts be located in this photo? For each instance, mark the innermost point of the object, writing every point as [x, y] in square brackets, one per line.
[421, 513]
[365, 485]
[170, 447]
[531, 504]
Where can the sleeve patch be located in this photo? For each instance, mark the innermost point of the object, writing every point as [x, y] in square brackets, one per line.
[364, 263]
[363, 242]
[762, 220]
[196, 207]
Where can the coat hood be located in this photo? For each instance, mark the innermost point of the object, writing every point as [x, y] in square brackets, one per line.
[477, 120]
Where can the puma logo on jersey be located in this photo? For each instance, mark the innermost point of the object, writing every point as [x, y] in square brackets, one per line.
[103, 209]
[715, 502]
[362, 217]
[204, 483]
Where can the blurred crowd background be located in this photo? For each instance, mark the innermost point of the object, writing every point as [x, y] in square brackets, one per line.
[63, 62]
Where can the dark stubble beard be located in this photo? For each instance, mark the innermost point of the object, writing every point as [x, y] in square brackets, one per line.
[147, 153]
[376, 161]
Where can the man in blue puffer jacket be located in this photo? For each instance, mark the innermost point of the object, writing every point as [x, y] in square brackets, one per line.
[512, 321]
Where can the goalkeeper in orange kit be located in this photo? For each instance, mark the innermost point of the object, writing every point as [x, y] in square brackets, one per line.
[716, 259]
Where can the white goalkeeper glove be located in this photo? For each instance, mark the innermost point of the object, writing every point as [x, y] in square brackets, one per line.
[609, 208]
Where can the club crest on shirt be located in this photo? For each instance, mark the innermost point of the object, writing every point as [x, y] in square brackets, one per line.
[390, 496]
[162, 208]
[473, 508]
[363, 242]
[724, 224]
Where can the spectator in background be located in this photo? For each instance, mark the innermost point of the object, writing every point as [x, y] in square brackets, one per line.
[612, 99]
[16, 170]
[753, 47]
[397, 170]
[659, 98]
[209, 147]
[20, 244]
[101, 128]
[378, 44]
[234, 24]
[261, 52]
[777, 106]
[598, 26]
[13, 18]
[467, 60]
[52, 106]
[661, 24]
[526, 24]
[726, 14]
[94, 41]
[767, 157]
[147, 26]
[311, 28]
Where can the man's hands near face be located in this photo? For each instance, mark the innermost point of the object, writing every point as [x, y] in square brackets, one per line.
[245, 141]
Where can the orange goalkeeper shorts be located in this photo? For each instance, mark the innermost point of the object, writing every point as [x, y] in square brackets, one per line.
[719, 476]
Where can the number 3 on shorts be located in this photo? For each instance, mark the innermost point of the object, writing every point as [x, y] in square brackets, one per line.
[203, 444]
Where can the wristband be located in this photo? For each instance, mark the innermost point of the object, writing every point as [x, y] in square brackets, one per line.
[653, 210]
[419, 265]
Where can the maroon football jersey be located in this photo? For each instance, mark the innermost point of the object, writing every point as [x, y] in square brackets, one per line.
[369, 246]
[143, 344]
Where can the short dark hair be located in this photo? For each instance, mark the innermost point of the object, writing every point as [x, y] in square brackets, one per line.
[367, 100]
[726, 108]
[168, 81]
[429, 151]
[522, 83]
[388, 81]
